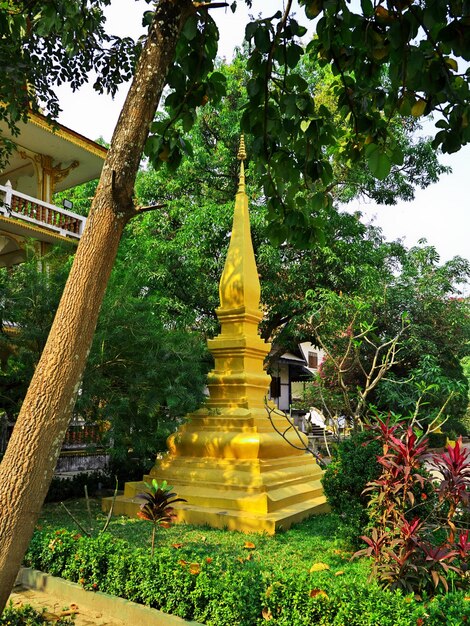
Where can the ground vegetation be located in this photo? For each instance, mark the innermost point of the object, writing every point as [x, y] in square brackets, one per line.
[294, 578]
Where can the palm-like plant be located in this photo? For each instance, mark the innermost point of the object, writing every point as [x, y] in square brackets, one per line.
[157, 506]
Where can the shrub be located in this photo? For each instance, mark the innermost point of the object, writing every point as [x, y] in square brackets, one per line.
[437, 440]
[27, 616]
[344, 601]
[74, 487]
[353, 466]
[89, 563]
[453, 609]
[128, 468]
[404, 544]
[236, 597]
[229, 591]
[51, 551]
[224, 594]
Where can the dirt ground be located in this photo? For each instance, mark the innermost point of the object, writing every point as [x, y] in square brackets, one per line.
[83, 616]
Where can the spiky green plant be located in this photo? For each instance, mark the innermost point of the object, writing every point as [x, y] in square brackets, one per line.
[158, 506]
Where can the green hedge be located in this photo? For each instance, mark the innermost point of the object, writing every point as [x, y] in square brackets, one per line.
[27, 616]
[223, 592]
[354, 464]
[74, 487]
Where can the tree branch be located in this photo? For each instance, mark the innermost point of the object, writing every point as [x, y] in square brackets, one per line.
[145, 209]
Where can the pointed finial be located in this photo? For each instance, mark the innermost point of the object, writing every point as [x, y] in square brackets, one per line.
[241, 156]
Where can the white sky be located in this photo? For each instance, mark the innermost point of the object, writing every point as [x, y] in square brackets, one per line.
[440, 213]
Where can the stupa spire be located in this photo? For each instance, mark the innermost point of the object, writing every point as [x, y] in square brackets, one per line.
[239, 378]
[239, 284]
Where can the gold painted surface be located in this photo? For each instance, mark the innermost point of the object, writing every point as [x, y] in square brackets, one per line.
[227, 460]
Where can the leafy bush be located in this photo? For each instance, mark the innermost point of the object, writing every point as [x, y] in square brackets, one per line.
[53, 551]
[450, 610]
[437, 440]
[238, 592]
[354, 464]
[412, 551]
[66, 488]
[27, 616]
[124, 470]
[222, 594]
[128, 468]
[227, 591]
[323, 598]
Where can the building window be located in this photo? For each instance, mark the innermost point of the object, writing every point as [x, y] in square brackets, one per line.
[313, 360]
[275, 387]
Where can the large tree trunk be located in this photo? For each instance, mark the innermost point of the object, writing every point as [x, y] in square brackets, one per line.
[28, 466]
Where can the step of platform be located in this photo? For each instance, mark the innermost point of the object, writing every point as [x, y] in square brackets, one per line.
[232, 519]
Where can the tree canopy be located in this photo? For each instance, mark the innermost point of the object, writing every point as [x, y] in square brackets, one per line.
[141, 375]
[171, 259]
[47, 43]
[384, 59]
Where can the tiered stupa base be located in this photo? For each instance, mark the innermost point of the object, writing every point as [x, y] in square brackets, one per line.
[245, 478]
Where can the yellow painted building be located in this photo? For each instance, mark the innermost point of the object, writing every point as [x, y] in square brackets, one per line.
[228, 460]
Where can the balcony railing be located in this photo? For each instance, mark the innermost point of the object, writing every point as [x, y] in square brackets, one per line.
[48, 216]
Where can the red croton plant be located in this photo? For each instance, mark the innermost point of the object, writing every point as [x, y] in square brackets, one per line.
[419, 511]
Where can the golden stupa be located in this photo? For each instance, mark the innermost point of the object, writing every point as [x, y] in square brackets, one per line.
[227, 460]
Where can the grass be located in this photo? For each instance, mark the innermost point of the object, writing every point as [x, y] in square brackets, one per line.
[313, 541]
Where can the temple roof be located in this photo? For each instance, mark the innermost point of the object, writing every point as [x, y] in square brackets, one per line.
[57, 141]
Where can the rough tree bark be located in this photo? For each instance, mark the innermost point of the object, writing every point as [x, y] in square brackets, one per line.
[29, 462]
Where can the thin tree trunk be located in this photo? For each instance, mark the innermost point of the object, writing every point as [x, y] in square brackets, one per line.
[29, 462]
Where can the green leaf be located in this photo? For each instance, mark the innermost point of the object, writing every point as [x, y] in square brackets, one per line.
[370, 148]
[250, 30]
[317, 202]
[277, 233]
[418, 108]
[293, 54]
[313, 8]
[253, 87]
[147, 18]
[367, 8]
[301, 103]
[398, 156]
[379, 163]
[262, 39]
[294, 80]
[190, 28]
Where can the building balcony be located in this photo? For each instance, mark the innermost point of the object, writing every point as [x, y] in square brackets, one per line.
[25, 216]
